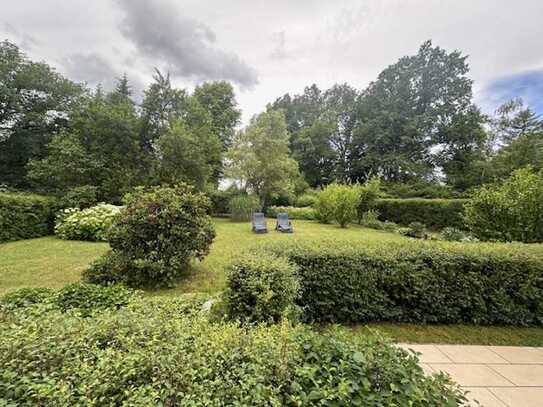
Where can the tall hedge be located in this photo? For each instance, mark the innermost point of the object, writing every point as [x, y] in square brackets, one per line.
[434, 213]
[24, 216]
[418, 282]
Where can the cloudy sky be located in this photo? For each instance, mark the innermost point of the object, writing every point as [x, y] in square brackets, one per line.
[268, 48]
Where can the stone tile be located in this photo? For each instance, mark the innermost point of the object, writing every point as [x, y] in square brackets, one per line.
[484, 396]
[521, 375]
[472, 375]
[519, 354]
[520, 396]
[429, 353]
[470, 354]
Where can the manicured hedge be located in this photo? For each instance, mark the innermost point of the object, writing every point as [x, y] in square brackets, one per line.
[292, 211]
[24, 216]
[159, 352]
[418, 282]
[434, 213]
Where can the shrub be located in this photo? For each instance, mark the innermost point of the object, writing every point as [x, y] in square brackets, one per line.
[390, 226]
[416, 230]
[370, 219]
[417, 281]
[25, 216]
[157, 234]
[260, 288]
[307, 199]
[79, 197]
[25, 297]
[338, 202]
[92, 224]
[435, 213]
[91, 297]
[453, 235]
[152, 354]
[108, 269]
[242, 207]
[293, 212]
[369, 192]
[512, 211]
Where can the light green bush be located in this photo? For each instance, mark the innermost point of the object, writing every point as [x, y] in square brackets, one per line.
[242, 207]
[91, 224]
[159, 352]
[339, 203]
[370, 219]
[306, 200]
[293, 212]
[512, 211]
[369, 192]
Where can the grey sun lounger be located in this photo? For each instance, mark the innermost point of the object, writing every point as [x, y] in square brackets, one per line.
[259, 223]
[283, 224]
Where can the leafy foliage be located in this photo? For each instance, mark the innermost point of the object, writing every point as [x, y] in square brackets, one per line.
[24, 216]
[242, 207]
[417, 282]
[292, 212]
[370, 219]
[159, 352]
[91, 224]
[305, 200]
[510, 211]
[260, 288]
[157, 234]
[338, 202]
[416, 230]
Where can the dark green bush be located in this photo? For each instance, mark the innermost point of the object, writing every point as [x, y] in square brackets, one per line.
[453, 234]
[416, 230]
[260, 288]
[24, 216]
[242, 207]
[435, 213]
[108, 269]
[79, 197]
[157, 234]
[512, 211]
[293, 212]
[25, 297]
[151, 354]
[306, 200]
[418, 282]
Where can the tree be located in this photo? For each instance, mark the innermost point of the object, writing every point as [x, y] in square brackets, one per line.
[524, 151]
[513, 120]
[259, 158]
[35, 102]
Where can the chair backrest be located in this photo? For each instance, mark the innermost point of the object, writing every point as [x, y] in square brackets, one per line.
[282, 218]
[258, 218]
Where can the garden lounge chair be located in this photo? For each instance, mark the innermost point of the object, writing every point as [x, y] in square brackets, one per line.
[283, 224]
[259, 223]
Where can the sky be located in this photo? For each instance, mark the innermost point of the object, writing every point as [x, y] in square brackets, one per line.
[268, 48]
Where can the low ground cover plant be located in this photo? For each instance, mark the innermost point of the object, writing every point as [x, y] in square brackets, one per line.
[25, 216]
[512, 211]
[157, 352]
[92, 224]
[155, 237]
[417, 282]
[305, 213]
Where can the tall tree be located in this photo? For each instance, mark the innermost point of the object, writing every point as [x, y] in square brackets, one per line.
[259, 159]
[513, 120]
[35, 102]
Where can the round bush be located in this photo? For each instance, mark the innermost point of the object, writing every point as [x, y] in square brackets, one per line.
[338, 202]
[512, 211]
[260, 288]
[151, 354]
[242, 207]
[91, 224]
[159, 232]
[306, 200]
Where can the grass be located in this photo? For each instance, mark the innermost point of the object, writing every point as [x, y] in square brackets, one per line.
[51, 262]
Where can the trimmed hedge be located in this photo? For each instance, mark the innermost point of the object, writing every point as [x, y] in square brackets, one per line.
[25, 216]
[155, 353]
[418, 282]
[292, 211]
[434, 213]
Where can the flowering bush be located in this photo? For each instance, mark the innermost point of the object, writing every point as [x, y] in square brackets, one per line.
[88, 224]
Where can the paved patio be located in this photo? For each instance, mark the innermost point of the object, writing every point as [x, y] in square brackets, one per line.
[496, 376]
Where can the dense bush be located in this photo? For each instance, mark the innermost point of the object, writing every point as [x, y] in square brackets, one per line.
[339, 203]
[307, 199]
[86, 298]
[79, 197]
[416, 230]
[155, 237]
[370, 219]
[293, 212]
[455, 235]
[260, 288]
[369, 192]
[420, 189]
[91, 224]
[24, 216]
[153, 353]
[418, 282]
[512, 211]
[242, 207]
[435, 213]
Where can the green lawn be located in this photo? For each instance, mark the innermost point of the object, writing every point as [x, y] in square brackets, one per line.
[50, 262]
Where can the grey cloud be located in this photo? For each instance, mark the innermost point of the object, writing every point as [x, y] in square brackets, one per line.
[92, 69]
[186, 46]
[280, 51]
[25, 40]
